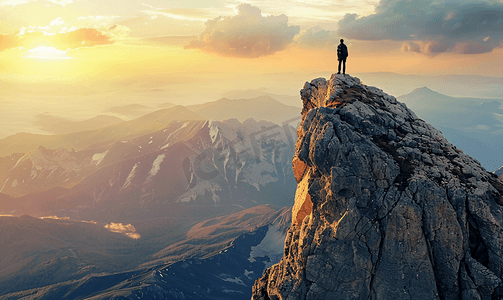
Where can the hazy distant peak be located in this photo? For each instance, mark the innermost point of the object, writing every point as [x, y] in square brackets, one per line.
[249, 121]
[260, 98]
[59, 125]
[266, 98]
[232, 121]
[106, 117]
[424, 90]
[255, 93]
[263, 107]
[130, 106]
[178, 112]
[165, 105]
[131, 110]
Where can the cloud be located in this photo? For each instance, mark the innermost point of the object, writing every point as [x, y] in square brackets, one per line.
[169, 40]
[316, 37]
[189, 14]
[98, 18]
[61, 2]
[57, 22]
[14, 2]
[118, 32]
[247, 34]
[18, 2]
[411, 47]
[47, 53]
[82, 37]
[434, 47]
[147, 5]
[8, 42]
[437, 25]
[472, 47]
[128, 230]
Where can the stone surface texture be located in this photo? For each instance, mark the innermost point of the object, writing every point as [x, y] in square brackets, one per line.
[386, 207]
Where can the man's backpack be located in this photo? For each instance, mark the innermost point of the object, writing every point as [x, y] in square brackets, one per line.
[342, 51]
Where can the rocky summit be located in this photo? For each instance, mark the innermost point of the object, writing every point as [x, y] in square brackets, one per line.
[386, 207]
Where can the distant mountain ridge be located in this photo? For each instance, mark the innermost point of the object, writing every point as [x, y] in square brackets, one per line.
[259, 108]
[26, 142]
[451, 84]
[131, 110]
[59, 125]
[472, 124]
[251, 93]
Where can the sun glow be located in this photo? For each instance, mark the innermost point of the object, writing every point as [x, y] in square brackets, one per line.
[48, 53]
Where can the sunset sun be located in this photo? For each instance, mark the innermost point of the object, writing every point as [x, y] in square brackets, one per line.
[47, 53]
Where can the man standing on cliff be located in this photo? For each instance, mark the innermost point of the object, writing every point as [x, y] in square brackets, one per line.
[342, 54]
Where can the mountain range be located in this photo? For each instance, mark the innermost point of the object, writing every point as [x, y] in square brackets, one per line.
[171, 204]
[91, 139]
[59, 125]
[251, 93]
[147, 193]
[260, 108]
[451, 84]
[245, 104]
[197, 162]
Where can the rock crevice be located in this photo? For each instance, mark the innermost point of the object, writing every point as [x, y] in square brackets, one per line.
[386, 207]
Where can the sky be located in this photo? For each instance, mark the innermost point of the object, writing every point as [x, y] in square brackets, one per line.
[74, 57]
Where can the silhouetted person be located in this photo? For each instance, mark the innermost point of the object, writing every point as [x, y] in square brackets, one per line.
[342, 54]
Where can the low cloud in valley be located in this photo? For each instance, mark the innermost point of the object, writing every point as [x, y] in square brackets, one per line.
[128, 230]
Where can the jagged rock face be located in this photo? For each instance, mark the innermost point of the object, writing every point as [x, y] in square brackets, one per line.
[386, 207]
[499, 172]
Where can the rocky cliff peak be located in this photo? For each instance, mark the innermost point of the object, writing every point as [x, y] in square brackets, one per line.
[386, 207]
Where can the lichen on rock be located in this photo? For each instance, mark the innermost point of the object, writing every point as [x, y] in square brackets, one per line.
[386, 207]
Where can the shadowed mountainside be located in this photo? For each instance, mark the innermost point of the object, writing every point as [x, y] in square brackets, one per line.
[72, 260]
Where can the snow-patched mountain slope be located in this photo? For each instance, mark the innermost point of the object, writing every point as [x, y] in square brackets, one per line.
[245, 162]
[193, 162]
[44, 168]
